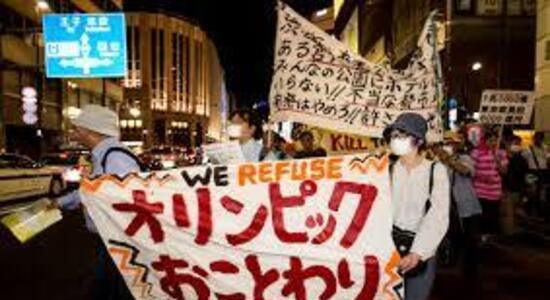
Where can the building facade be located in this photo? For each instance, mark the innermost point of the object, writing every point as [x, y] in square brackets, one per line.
[22, 65]
[542, 76]
[174, 85]
[496, 34]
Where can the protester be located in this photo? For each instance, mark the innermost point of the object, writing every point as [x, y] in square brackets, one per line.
[246, 127]
[461, 168]
[97, 129]
[514, 180]
[420, 199]
[308, 149]
[537, 178]
[537, 155]
[276, 150]
[490, 164]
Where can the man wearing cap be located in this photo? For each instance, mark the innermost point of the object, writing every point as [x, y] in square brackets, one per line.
[420, 201]
[97, 129]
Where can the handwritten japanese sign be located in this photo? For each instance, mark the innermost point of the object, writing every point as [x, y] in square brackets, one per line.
[301, 229]
[85, 45]
[338, 143]
[506, 107]
[317, 80]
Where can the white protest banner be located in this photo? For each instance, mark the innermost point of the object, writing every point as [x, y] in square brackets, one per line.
[299, 229]
[506, 107]
[318, 81]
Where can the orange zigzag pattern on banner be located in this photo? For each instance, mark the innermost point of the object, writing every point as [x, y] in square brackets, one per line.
[128, 269]
[92, 185]
[394, 277]
[370, 163]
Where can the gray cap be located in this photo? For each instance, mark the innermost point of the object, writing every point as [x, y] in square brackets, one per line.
[411, 123]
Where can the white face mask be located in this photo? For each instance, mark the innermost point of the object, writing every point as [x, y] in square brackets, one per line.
[448, 149]
[401, 146]
[515, 148]
[234, 131]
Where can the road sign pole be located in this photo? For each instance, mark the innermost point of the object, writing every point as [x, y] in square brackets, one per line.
[2, 125]
[103, 93]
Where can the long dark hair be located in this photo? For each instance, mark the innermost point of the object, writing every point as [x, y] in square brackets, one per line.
[252, 118]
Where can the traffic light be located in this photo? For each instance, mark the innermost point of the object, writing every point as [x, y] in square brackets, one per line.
[29, 105]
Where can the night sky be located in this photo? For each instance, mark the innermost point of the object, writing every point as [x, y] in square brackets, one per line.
[243, 32]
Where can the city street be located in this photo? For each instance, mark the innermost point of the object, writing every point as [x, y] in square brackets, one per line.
[58, 265]
[274, 149]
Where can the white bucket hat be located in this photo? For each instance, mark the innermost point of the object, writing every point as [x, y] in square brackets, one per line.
[98, 119]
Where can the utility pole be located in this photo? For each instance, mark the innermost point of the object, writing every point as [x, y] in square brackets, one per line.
[39, 83]
[2, 125]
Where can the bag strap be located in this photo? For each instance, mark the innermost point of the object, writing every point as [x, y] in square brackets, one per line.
[430, 188]
[120, 150]
[534, 157]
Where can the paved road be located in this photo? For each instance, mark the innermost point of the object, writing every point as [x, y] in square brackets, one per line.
[57, 265]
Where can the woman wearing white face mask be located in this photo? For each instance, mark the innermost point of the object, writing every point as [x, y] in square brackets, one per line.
[246, 127]
[420, 200]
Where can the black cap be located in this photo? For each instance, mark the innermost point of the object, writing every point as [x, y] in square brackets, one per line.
[411, 123]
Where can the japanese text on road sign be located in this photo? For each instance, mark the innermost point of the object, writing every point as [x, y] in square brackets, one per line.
[85, 45]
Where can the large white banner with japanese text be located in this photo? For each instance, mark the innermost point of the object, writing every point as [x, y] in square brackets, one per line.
[318, 81]
[298, 229]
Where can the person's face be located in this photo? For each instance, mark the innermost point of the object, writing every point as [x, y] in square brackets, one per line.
[491, 141]
[247, 131]
[307, 142]
[515, 146]
[80, 135]
[538, 139]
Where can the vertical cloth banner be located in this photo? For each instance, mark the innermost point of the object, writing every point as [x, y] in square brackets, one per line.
[318, 80]
[299, 229]
[506, 107]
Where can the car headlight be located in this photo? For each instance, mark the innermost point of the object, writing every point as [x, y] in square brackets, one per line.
[72, 175]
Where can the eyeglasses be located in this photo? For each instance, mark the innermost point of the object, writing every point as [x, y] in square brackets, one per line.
[398, 134]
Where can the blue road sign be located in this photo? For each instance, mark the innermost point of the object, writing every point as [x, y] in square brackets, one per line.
[85, 45]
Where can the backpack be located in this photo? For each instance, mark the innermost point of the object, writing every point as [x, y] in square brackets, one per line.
[129, 153]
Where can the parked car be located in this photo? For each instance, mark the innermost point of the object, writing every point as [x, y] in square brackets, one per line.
[150, 162]
[21, 177]
[166, 156]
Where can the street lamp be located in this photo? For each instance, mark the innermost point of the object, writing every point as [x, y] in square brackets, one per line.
[321, 12]
[476, 66]
[135, 112]
[42, 5]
